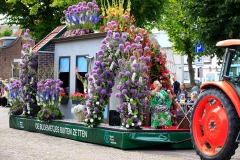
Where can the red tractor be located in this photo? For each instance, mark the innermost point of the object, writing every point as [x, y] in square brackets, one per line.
[215, 122]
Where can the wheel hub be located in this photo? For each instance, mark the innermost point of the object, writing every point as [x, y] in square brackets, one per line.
[215, 125]
[212, 125]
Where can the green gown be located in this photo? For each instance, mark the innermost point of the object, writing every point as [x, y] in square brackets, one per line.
[160, 118]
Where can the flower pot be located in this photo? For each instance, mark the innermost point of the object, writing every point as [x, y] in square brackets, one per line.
[35, 109]
[80, 116]
[91, 31]
[64, 101]
[77, 102]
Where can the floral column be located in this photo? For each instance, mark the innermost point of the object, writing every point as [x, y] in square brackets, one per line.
[28, 74]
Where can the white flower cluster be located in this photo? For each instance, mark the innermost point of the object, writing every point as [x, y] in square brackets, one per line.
[133, 76]
[28, 108]
[78, 108]
[129, 109]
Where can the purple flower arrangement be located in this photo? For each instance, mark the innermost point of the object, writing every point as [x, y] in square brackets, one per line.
[14, 98]
[102, 77]
[133, 83]
[49, 99]
[133, 91]
[81, 18]
[47, 114]
[28, 74]
[116, 55]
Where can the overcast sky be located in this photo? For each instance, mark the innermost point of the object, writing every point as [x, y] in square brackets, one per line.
[1, 16]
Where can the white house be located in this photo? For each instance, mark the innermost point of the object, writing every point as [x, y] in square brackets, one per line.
[206, 69]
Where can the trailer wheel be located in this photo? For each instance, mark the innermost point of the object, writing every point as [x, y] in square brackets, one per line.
[214, 126]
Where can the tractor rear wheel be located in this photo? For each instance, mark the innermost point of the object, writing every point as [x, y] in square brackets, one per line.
[214, 126]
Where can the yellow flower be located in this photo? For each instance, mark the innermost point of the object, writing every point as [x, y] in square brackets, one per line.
[116, 12]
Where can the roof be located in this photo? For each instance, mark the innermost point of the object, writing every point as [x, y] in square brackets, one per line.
[18, 33]
[229, 42]
[5, 38]
[82, 37]
[163, 39]
[48, 38]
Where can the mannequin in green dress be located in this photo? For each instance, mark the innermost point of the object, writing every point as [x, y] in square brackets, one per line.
[160, 106]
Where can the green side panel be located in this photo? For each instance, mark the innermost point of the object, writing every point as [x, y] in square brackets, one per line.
[107, 137]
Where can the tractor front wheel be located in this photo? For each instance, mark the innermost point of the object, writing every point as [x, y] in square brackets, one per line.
[214, 126]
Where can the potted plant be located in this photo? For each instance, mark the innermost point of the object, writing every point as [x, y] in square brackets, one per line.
[49, 99]
[78, 111]
[64, 97]
[14, 98]
[77, 98]
[16, 109]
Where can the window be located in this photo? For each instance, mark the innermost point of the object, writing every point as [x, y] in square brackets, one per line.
[186, 75]
[207, 59]
[15, 70]
[64, 72]
[234, 70]
[82, 65]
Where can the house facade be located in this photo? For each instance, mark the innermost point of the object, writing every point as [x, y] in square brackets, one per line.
[58, 57]
[205, 68]
[72, 52]
[10, 54]
[45, 50]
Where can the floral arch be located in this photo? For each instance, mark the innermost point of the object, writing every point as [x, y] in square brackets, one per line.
[126, 55]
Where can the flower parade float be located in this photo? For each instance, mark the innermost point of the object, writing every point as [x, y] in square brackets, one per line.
[119, 78]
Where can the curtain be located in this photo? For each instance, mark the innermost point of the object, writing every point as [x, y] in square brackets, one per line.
[64, 64]
[82, 64]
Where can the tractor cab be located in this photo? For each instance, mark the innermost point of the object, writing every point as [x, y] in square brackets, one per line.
[231, 65]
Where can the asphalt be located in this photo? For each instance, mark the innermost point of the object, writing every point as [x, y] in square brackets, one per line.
[23, 145]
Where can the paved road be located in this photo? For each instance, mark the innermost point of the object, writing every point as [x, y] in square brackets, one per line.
[22, 145]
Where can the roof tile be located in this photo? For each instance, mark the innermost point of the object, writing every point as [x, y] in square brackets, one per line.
[47, 38]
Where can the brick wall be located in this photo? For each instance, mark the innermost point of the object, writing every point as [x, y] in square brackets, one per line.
[6, 57]
[45, 65]
[13, 51]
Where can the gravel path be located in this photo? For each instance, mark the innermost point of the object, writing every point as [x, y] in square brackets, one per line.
[23, 145]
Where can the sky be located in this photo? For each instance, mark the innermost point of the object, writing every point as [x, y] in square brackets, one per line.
[1, 16]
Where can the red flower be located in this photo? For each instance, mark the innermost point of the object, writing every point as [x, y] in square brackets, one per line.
[152, 87]
[61, 94]
[77, 96]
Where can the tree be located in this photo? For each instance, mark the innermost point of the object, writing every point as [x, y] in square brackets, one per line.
[181, 31]
[42, 16]
[38, 16]
[6, 32]
[216, 21]
[147, 13]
